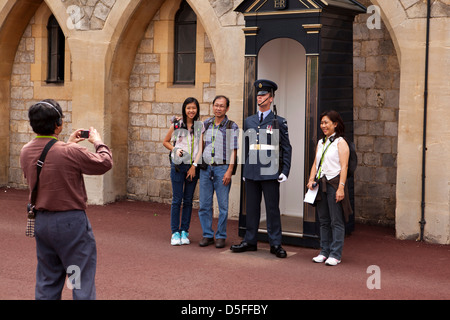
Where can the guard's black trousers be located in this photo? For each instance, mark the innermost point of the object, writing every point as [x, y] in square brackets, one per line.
[254, 191]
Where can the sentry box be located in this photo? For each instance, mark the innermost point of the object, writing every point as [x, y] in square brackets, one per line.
[306, 47]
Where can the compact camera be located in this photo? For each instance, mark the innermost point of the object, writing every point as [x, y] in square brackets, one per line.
[84, 134]
[177, 124]
[31, 211]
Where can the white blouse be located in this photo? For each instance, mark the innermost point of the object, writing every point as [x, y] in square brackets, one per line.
[331, 166]
[187, 141]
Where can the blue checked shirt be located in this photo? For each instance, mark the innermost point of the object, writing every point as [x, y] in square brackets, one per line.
[215, 141]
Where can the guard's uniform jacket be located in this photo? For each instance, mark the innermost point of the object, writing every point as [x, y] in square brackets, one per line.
[267, 152]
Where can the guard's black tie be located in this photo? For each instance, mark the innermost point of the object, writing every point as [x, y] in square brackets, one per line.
[262, 116]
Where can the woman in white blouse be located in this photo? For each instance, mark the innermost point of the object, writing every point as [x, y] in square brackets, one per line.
[329, 174]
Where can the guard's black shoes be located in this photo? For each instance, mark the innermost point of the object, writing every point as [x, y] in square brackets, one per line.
[278, 251]
[243, 246]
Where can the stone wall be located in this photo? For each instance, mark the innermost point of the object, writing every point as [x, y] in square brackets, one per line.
[376, 103]
[88, 14]
[148, 161]
[22, 97]
[418, 8]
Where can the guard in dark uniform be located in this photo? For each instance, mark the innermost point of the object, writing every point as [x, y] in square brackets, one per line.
[267, 164]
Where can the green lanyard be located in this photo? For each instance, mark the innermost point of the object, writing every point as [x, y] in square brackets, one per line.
[46, 137]
[322, 158]
[213, 140]
[192, 146]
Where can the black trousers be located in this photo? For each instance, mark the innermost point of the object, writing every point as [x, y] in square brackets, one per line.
[271, 191]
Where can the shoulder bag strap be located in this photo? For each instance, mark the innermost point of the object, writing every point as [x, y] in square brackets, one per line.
[39, 165]
[229, 126]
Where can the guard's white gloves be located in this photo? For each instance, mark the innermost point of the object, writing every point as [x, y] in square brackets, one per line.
[282, 178]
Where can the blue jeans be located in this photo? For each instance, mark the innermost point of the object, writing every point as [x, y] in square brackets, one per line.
[332, 226]
[182, 194]
[210, 181]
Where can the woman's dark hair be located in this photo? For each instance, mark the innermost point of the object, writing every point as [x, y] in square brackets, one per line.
[335, 117]
[183, 110]
[45, 116]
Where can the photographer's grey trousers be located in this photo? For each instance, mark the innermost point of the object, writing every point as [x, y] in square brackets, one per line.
[65, 246]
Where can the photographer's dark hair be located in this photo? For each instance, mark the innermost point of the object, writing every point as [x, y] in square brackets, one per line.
[335, 117]
[45, 116]
[183, 110]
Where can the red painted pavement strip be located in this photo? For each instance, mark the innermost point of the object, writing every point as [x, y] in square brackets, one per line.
[137, 262]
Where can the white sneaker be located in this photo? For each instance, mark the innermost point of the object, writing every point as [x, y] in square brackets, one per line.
[184, 237]
[176, 240]
[319, 259]
[332, 261]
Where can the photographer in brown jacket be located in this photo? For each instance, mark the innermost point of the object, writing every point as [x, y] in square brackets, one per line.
[65, 243]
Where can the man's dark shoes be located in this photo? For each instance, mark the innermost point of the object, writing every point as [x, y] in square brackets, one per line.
[206, 242]
[278, 251]
[243, 246]
[220, 243]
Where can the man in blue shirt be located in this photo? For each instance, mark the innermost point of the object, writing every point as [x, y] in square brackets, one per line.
[220, 140]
